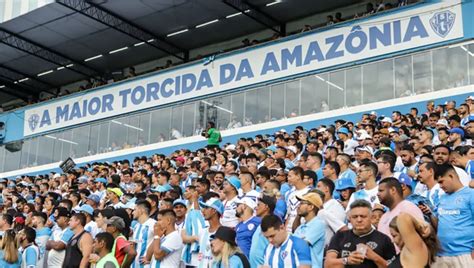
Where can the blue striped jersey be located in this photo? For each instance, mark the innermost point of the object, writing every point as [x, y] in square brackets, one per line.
[143, 237]
[292, 253]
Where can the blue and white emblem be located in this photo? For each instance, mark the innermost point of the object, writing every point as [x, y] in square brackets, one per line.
[33, 121]
[442, 22]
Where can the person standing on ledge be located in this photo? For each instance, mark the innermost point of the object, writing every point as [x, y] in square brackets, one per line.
[213, 135]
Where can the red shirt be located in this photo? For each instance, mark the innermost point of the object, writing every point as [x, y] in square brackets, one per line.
[121, 243]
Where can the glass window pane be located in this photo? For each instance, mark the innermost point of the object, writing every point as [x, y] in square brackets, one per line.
[471, 63]
[403, 77]
[118, 133]
[314, 94]
[454, 76]
[292, 98]
[66, 141]
[422, 72]
[104, 130]
[353, 86]
[26, 155]
[160, 125]
[133, 130]
[45, 152]
[378, 81]
[176, 122]
[58, 146]
[238, 107]
[257, 107]
[12, 160]
[2, 158]
[278, 102]
[188, 119]
[336, 90]
[93, 140]
[80, 140]
[218, 110]
[144, 124]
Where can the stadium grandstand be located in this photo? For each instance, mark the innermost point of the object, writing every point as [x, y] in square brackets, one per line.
[236, 133]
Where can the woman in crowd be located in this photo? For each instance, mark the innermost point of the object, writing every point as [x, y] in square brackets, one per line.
[417, 241]
[9, 257]
[225, 250]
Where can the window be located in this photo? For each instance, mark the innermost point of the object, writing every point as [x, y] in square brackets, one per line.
[470, 53]
[336, 90]
[80, 140]
[292, 98]
[403, 77]
[422, 72]
[454, 76]
[160, 125]
[45, 152]
[277, 94]
[378, 81]
[188, 119]
[353, 86]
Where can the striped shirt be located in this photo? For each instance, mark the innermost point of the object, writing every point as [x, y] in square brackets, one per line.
[292, 253]
[143, 236]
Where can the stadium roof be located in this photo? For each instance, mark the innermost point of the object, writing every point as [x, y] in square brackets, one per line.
[61, 42]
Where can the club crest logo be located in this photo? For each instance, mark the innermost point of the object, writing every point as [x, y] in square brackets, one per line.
[442, 22]
[284, 254]
[33, 121]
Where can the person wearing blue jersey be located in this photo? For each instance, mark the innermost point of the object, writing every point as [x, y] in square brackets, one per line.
[455, 214]
[193, 226]
[313, 231]
[461, 158]
[42, 233]
[265, 206]
[284, 249]
[344, 161]
[248, 223]
[212, 209]
[142, 233]
[29, 251]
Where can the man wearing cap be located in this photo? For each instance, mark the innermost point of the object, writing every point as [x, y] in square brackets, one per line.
[248, 223]
[101, 189]
[212, 209]
[122, 249]
[265, 206]
[456, 136]
[231, 188]
[179, 208]
[113, 196]
[313, 230]
[167, 242]
[59, 238]
[93, 200]
[42, 233]
[91, 226]
[349, 144]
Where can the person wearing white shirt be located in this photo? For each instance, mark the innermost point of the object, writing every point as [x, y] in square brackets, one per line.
[368, 187]
[167, 242]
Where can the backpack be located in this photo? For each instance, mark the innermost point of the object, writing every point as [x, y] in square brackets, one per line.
[243, 259]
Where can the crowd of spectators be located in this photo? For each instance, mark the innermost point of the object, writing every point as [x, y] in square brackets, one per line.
[381, 192]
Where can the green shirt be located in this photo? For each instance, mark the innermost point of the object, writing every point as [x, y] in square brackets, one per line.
[213, 136]
[108, 261]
